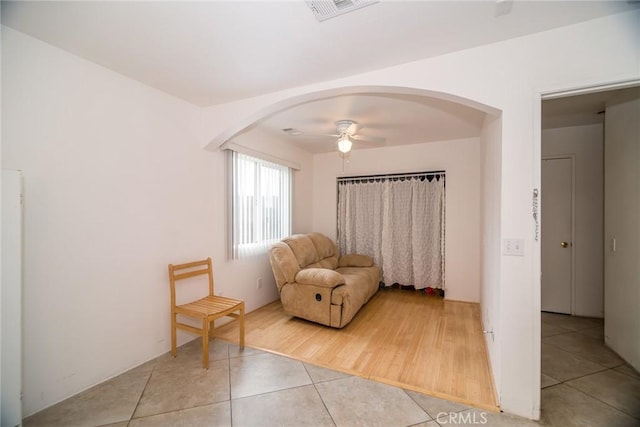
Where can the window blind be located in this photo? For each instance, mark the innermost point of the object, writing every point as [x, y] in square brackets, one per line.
[261, 204]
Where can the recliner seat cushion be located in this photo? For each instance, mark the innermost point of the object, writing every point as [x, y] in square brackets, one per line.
[356, 283]
[355, 260]
[330, 263]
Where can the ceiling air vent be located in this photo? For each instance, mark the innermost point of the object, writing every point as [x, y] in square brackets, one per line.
[292, 131]
[325, 9]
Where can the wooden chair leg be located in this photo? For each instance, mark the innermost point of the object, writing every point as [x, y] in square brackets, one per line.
[173, 334]
[241, 321]
[205, 343]
[212, 330]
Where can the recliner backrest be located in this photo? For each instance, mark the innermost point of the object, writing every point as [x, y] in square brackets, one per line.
[283, 263]
[327, 251]
[303, 248]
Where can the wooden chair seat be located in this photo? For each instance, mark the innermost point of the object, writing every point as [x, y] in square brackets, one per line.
[206, 309]
[209, 306]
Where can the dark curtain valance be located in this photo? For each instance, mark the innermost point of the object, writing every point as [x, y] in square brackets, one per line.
[429, 176]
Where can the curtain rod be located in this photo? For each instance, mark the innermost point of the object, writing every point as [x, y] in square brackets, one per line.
[392, 175]
[259, 154]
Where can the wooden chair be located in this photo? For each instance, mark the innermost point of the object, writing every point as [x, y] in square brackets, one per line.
[206, 309]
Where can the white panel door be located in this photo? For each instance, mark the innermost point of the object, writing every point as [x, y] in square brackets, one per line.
[557, 248]
[11, 300]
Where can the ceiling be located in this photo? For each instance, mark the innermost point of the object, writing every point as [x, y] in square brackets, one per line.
[212, 52]
[580, 110]
[400, 119]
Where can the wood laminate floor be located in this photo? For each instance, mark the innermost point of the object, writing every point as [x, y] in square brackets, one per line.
[403, 338]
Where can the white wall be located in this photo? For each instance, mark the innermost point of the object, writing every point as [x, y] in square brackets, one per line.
[117, 186]
[115, 189]
[490, 220]
[11, 300]
[460, 159]
[509, 76]
[586, 144]
[622, 222]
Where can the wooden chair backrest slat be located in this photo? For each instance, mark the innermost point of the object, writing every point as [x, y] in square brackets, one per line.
[190, 264]
[189, 274]
[174, 276]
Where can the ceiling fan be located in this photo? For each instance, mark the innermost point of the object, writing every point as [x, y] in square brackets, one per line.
[346, 133]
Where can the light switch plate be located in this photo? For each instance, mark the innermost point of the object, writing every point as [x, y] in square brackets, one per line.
[518, 247]
[513, 247]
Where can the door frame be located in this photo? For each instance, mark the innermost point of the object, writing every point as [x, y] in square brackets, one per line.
[572, 158]
[541, 93]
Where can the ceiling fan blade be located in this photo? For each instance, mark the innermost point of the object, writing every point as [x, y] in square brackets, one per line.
[352, 129]
[374, 139]
[317, 135]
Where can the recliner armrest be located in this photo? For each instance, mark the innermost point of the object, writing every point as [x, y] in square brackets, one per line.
[355, 260]
[319, 277]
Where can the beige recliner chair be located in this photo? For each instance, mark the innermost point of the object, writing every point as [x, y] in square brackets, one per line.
[317, 284]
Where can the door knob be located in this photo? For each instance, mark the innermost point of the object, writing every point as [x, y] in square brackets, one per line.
[564, 244]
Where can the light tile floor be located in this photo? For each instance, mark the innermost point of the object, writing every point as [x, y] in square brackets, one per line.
[584, 384]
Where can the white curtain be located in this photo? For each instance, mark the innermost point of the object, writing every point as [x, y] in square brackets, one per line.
[399, 222]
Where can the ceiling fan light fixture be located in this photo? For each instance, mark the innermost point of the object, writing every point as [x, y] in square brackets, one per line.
[344, 144]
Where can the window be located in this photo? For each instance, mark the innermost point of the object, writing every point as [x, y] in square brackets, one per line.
[261, 206]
